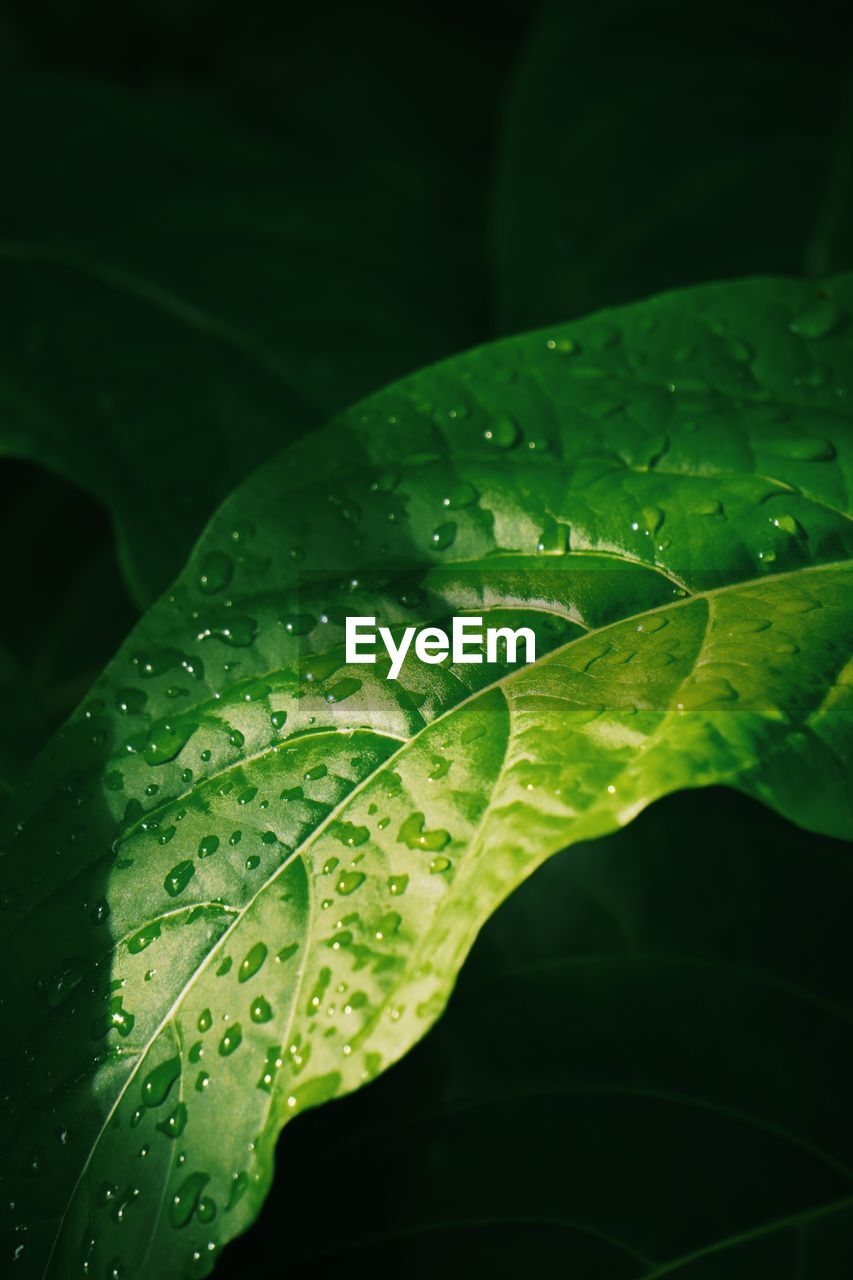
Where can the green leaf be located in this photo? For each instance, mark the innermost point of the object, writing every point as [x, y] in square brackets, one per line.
[644, 1071]
[184, 297]
[24, 725]
[68, 606]
[652, 145]
[243, 879]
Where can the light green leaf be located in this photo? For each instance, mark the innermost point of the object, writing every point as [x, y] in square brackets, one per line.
[244, 877]
[633, 1078]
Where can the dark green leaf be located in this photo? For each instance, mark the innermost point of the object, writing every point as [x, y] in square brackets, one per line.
[24, 727]
[183, 298]
[234, 885]
[652, 145]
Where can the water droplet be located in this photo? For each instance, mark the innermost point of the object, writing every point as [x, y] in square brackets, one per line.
[388, 925]
[554, 539]
[185, 1200]
[818, 320]
[803, 449]
[397, 885]
[747, 626]
[461, 495]
[651, 624]
[788, 524]
[350, 835]
[343, 689]
[157, 1084]
[349, 881]
[581, 714]
[654, 518]
[208, 846]
[154, 664]
[100, 911]
[166, 741]
[703, 693]
[206, 1210]
[239, 1187]
[215, 572]
[175, 1123]
[413, 834]
[130, 702]
[231, 1040]
[146, 935]
[317, 772]
[444, 535]
[178, 878]
[237, 631]
[299, 624]
[252, 962]
[437, 865]
[503, 432]
[564, 346]
[315, 999]
[205, 1020]
[243, 531]
[261, 1010]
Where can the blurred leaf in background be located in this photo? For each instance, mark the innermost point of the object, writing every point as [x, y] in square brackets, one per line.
[193, 278]
[654, 145]
[24, 723]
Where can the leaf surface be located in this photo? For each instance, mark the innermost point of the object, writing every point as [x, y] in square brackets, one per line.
[641, 1073]
[243, 878]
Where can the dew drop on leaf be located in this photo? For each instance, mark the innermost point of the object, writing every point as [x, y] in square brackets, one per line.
[178, 878]
[158, 1083]
[231, 1040]
[215, 572]
[819, 320]
[503, 432]
[443, 536]
[260, 1010]
[252, 962]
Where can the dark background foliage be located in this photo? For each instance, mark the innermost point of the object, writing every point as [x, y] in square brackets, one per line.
[647, 1054]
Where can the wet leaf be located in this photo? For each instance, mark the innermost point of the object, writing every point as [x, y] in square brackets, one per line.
[633, 1077]
[270, 868]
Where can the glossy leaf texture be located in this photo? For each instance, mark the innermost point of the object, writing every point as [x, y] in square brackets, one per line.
[643, 1072]
[736, 161]
[188, 289]
[243, 878]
